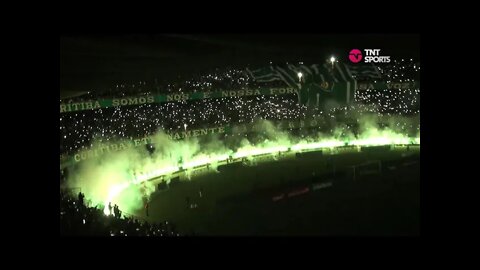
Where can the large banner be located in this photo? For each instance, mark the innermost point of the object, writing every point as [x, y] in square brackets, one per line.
[319, 85]
[139, 100]
[314, 85]
[66, 161]
[125, 144]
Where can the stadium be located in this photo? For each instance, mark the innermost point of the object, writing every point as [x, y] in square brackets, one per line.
[307, 148]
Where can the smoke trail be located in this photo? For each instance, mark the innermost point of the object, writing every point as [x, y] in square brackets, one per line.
[120, 177]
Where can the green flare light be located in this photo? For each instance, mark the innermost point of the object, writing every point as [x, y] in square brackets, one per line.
[155, 173]
[250, 151]
[110, 179]
[254, 151]
[317, 145]
[112, 194]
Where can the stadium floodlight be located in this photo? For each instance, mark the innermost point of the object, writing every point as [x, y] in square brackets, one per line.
[185, 126]
[300, 75]
[332, 60]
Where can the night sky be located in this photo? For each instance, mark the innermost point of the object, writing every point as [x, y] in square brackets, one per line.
[89, 63]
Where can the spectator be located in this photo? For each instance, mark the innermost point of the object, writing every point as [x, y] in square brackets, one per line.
[110, 208]
[76, 220]
[80, 198]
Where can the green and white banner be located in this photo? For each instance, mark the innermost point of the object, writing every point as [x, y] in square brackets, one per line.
[125, 144]
[313, 85]
[185, 134]
[139, 100]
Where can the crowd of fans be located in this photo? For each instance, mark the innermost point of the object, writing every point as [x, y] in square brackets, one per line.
[78, 218]
[234, 79]
[78, 129]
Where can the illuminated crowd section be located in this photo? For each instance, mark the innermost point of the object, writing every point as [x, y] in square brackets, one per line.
[123, 177]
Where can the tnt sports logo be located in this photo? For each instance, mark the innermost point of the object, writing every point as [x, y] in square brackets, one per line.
[371, 55]
[355, 56]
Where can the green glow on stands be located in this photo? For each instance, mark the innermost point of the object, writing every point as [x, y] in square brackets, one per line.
[122, 177]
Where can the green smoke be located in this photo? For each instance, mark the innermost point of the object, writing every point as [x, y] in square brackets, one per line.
[121, 177]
